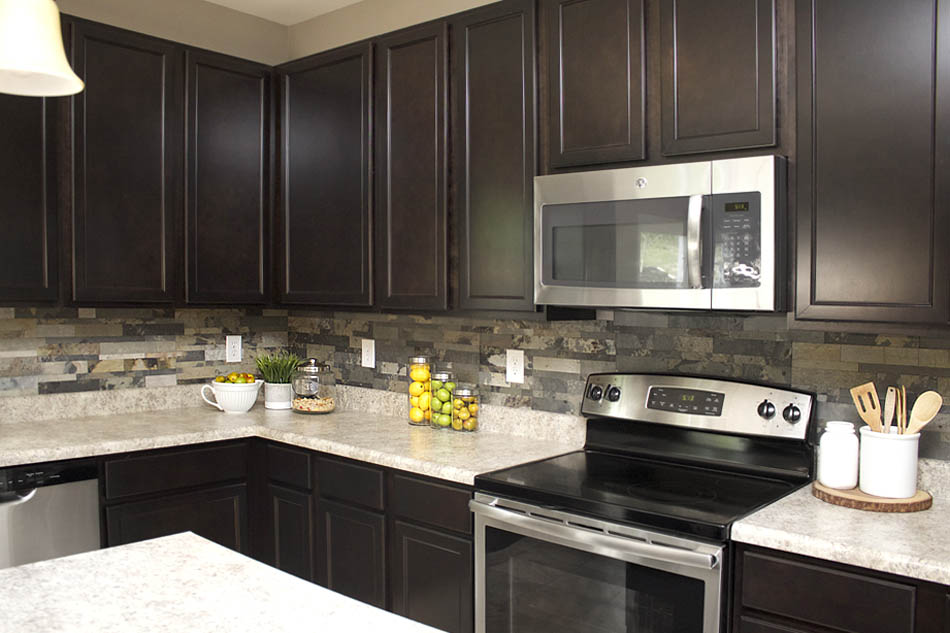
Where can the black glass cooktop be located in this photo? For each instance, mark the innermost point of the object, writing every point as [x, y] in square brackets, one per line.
[674, 497]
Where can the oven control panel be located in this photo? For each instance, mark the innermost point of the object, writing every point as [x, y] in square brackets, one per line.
[705, 403]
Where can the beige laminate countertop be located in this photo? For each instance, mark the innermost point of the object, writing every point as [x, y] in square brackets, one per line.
[912, 544]
[177, 583]
[378, 439]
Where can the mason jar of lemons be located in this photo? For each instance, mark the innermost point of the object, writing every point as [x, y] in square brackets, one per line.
[442, 386]
[420, 392]
[465, 408]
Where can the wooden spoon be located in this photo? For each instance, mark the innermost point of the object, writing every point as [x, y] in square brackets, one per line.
[868, 405]
[890, 401]
[925, 408]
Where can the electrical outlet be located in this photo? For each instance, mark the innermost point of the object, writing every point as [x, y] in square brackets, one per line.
[369, 353]
[514, 365]
[232, 349]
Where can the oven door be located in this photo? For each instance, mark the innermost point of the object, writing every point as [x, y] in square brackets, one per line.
[624, 237]
[544, 571]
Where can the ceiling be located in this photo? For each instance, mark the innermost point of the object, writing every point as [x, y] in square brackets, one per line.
[286, 12]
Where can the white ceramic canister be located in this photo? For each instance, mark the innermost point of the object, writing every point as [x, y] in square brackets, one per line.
[838, 456]
[888, 463]
[277, 395]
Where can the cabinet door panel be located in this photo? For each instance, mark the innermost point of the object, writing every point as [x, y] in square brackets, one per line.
[432, 578]
[28, 213]
[218, 514]
[595, 71]
[327, 150]
[351, 552]
[493, 82]
[411, 101]
[718, 75]
[292, 525]
[127, 178]
[874, 148]
[227, 203]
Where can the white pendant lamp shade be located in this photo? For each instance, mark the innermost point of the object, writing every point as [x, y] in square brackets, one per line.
[32, 59]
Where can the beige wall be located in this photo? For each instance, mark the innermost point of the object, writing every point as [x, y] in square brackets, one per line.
[366, 19]
[192, 22]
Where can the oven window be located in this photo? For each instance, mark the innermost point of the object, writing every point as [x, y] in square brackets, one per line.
[625, 244]
[532, 586]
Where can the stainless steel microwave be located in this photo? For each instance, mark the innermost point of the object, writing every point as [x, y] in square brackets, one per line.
[696, 236]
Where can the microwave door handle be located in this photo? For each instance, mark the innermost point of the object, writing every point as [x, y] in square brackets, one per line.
[694, 253]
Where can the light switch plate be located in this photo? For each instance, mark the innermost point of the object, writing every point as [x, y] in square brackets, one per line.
[369, 353]
[232, 349]
[514, 366]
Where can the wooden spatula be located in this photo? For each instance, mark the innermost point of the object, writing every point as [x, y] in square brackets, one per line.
[890, 402]
[868, 405]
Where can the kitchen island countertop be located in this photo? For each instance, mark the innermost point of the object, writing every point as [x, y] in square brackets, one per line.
[377, 439]
[177, 583]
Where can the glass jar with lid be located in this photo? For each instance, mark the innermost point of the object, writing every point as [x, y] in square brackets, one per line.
[440, 404]
[420, 391]
[465, 408]
[314, 388]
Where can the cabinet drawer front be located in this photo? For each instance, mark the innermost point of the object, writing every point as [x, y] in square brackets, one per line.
[754, 625]
[288, 465]
[350, 482]
[170, 470]
[830, 597]
[437, 504]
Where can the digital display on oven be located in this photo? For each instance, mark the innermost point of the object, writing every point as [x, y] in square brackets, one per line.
[691, 401]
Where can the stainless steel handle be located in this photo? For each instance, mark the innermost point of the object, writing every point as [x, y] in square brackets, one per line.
[8, 500]
[593, 540]
[694, 252]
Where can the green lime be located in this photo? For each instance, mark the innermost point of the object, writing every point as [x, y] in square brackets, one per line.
[450, 386]
[444, 394]
[445, 420]
[436, 385]
[447, 407]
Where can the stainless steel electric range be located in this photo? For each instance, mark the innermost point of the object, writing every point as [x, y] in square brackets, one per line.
[631, 533]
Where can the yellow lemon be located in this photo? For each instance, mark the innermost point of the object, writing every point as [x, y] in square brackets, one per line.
[416, 389]
[419, 374]
[416, 414]
[428, 414]
[425, 400]
[414, 401]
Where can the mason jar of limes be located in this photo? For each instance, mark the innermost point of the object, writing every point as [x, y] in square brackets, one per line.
[465, 408]
[443, 386]
[420, 392]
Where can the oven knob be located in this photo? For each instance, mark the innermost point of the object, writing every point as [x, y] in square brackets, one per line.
[613, 394]
[596, 392]
[766, 410]
[792, 414]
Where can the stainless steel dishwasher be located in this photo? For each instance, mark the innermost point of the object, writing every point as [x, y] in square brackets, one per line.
[48, 511]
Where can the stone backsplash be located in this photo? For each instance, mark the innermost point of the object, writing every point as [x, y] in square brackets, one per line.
[60, 350]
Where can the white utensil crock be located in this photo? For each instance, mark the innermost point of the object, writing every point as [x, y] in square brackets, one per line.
[888, 464]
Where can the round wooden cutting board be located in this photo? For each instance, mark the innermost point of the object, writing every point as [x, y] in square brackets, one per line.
[858, 500]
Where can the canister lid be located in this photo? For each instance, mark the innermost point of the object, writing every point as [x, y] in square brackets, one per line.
[465, 389]
[313, 366]
[418, 360]
[442, 375]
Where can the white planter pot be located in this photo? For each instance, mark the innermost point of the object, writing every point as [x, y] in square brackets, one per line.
[277, 395]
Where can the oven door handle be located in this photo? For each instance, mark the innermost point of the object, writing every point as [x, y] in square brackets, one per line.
[595, 538]
[694, 251]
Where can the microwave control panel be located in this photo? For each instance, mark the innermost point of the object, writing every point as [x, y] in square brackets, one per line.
[737, 241]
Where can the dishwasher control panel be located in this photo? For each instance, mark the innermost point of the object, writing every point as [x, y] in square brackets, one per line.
[36, 476]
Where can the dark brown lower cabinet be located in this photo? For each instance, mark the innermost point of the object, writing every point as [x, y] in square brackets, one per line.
[776, 592]
[351, 551]
[291, 530]
[218, 514]
[432, 578]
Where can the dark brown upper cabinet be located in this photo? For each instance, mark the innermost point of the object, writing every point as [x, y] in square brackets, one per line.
[28, 244]
[412, 168]
[127, 172]
[718, 75]
[593, 59]
[227, 201]
[494, 154]
[326, 205]
[873, 160]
